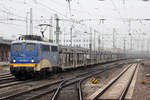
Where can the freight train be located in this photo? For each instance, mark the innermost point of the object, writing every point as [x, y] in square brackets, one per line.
[31, 55]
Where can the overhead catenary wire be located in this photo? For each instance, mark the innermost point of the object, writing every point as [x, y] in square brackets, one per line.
[118, 11]
[20, 25]
[5, 10]
[41, 4]
[71, 20]
[57, 3]
[45, 6]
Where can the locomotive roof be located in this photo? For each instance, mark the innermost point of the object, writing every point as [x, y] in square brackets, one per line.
[33, 41]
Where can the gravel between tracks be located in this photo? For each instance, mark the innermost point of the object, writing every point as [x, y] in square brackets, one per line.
[89, 88]
[142, 91]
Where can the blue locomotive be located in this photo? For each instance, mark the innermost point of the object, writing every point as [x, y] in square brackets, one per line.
[30, 56]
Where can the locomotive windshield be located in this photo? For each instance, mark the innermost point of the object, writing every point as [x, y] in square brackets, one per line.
[17, 47]
[24, 50]
[30, 47]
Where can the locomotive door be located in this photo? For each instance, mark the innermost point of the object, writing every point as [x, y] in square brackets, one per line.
[54, 53]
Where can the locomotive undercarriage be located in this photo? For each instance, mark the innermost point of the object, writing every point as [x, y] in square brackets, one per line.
[23, 73]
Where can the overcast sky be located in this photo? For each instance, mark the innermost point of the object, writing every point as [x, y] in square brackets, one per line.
[115, 12]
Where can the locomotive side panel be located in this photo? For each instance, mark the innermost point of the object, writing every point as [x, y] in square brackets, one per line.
[48, 57]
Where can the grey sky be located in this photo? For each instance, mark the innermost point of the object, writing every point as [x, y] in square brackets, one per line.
[115, 13]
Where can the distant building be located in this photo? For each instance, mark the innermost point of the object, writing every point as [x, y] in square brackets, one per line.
[4, 50]
[78, 40]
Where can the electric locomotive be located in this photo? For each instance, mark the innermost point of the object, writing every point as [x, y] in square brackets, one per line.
[31, 55]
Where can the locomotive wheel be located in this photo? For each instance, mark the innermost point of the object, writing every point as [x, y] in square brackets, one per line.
[20, 77]
[54, 70]
[44, 73]
[41, 74]
[37, 76]
[59, 69]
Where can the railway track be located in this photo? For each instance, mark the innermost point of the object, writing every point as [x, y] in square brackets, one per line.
[69, 85]
[4, 74]
[117, 88]
[75, 82]
[13, 83]
[49, 88]
[62, 91]
[5, 80]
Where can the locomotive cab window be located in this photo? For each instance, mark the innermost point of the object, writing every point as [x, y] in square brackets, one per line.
[30, 47]
[45, 48]
[17, 47]
[54, 48]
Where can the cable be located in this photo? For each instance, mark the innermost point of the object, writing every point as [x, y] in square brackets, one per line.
[11, 13]
[43, 5]
[116, 8]
[17, 25]
[71, 20]
[56, 2]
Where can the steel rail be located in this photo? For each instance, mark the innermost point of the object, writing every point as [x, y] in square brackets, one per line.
[123, 94]
[14, 83]
[59, 88]
[7, 80]
[27, 91]
[4, 74]
[103, 91]
[80, 90]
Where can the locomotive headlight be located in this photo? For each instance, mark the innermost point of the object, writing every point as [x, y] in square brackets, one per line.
[32, 60]
[14, 60]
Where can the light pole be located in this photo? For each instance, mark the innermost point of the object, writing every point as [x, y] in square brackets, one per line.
[57, 29]
[114, 39]
[130, 41]
[90, 43]
[31, 22]
[27, 23]
[71, 35]
[94, 38]
[124, 48]
[91, 39]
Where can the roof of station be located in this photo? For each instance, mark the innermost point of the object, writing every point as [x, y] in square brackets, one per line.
[4, 41]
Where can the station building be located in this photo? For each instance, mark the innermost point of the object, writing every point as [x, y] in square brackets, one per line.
[4, 50]
[78, 40]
